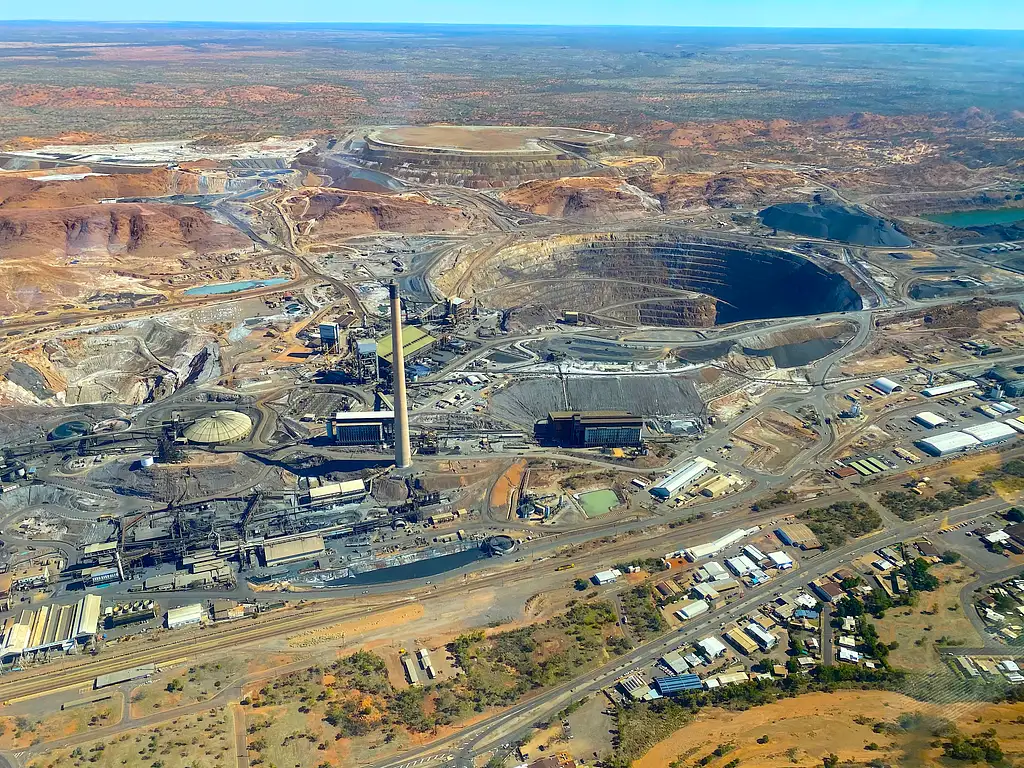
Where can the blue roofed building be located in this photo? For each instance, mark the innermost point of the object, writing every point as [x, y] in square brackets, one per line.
[677, 684]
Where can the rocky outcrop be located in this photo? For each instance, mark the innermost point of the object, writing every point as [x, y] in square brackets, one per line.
[730, 189]
[583, 198]
[328, 215]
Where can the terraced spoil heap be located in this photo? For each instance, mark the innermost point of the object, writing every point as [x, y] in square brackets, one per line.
[482, 156]
[650, 278]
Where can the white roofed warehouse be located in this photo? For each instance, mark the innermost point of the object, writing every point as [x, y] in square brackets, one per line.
[991, 432]
[946, 389]
[929, 419]
[948, 443]
[886, 386]
[186, 615]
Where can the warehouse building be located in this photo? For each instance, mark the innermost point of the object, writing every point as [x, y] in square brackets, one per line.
[886, 386]
[675, 663]
[682, 478]
[741, 641]
[990, 433]
[50, 628]
[1015, 424]
[691, 610]
[185, 616]
[781, 560]
[711, 647]
[348, 490]
[948, 389]
[361, 428]
[593, 429]
[606, 577]
[292, 549]
[948, 443]
[929, 419]
[714, 547]
[741, 565]
[764, 639]
[667, 686]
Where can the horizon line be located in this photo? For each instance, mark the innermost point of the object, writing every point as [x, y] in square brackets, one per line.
[509, 24]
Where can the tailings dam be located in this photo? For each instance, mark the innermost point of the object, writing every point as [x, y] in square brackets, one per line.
[649, 278]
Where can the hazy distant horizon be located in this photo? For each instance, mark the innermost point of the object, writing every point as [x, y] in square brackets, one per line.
[979, 15]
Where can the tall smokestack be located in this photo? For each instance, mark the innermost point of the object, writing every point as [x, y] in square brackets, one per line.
[403, 451]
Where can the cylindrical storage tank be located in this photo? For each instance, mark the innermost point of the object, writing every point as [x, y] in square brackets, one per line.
[147, 461]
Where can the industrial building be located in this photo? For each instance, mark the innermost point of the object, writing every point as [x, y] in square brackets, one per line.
[948, 443]
[741, 641]
[415, 343]
[219, 428]
[185, 616]
[367, 362]
[677, 684]
[682, 478]
[781, 560]
[606, 577]
[990, 433]
[741, 565]
[947, 389]
[361, 428]
[330, 337]
[886, 386]
[692, 609]
[1016, 424]
[929, 419]
[711, 647]
[292, 549]
[348, 490]
[675, 663]
[714, 547]
[764, 639]
[50, 628]
[593, 429]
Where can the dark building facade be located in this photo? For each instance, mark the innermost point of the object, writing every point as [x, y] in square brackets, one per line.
[592, 429]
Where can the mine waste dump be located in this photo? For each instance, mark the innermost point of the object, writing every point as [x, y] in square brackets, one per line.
[833, 222]
[650, 278]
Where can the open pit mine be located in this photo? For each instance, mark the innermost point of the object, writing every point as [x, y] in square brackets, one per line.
[651, 278]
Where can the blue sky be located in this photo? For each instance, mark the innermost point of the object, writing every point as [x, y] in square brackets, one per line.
[948, 14]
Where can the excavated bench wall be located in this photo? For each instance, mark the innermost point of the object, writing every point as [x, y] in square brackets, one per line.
[654, 279]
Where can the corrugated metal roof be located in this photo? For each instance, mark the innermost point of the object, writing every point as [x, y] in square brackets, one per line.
[413, 340]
